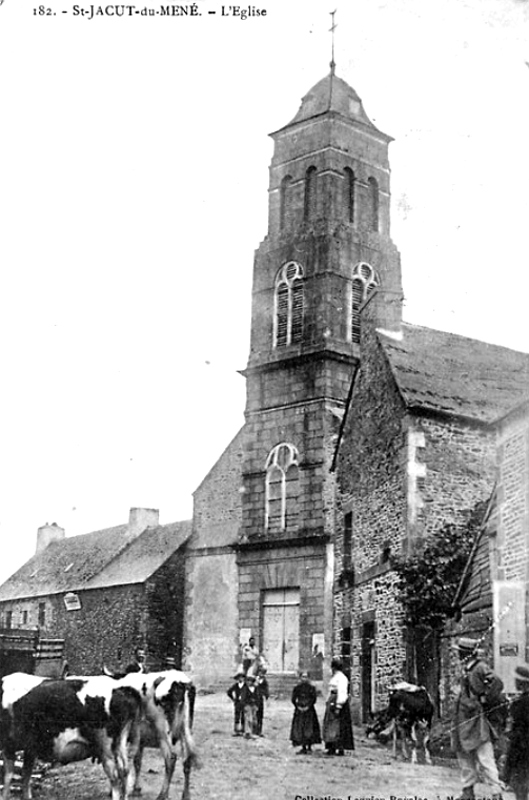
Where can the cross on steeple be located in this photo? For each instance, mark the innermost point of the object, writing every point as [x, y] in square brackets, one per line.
[332, 29]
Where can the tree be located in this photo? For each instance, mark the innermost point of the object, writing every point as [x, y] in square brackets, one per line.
[428, 580]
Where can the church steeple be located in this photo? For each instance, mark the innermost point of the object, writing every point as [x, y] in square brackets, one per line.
[327, 249]
[329, 216]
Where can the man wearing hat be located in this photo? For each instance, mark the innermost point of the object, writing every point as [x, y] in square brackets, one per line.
[235, 694]
[472, 732]
[517, 762]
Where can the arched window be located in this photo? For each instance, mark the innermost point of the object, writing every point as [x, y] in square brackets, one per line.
[282, 488]
[373, 204]
[288, 315]
[310, 193]
[349, 194]
[283, 192]
[364, 283]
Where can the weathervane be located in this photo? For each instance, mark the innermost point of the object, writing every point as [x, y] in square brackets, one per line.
[332, 29]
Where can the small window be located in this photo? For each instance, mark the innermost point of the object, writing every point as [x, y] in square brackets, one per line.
[24, 618]
[283, 199]
[289, 305]
[349, 194]
[373, 204]
[310, 194]
[282, 488]
[347, 540]
[42, 614]
[363, 285]
[346, 650]
[9, 619]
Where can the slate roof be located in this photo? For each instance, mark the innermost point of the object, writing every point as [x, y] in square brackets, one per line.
[110, 557]
[455, 375]
[332, 94]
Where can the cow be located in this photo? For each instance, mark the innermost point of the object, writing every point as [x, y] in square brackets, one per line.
[408, 715]
[168, 700]
[68, 720]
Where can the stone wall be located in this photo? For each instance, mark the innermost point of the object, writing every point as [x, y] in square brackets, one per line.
[513, 497]
[371, 470]
[165, 605]
[112, 622]
[500, 564]
[310, 428]
[211, 627]
[402, 476]
[301, 567]
[457, 463]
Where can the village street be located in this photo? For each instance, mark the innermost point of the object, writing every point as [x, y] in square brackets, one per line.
[268, 768]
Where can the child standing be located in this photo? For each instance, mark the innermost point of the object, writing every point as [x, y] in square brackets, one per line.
[250, 702]
[235, 694]
[517, 763]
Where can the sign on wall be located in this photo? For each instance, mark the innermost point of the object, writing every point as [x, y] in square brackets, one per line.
[72, 601]
[509, 629]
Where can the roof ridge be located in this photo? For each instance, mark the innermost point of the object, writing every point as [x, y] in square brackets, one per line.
[461, 336]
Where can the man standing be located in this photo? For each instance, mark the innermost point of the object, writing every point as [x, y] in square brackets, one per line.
[138, 665]
[472, 732]
[249, 654]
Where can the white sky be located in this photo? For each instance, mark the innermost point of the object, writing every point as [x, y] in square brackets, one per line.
[133, 191]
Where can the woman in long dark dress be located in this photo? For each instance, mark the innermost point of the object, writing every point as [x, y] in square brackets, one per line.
[305, 729]
[337, 726]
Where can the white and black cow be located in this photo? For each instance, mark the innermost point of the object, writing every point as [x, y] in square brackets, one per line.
[408, 716]
[168, 700]
[62, 721]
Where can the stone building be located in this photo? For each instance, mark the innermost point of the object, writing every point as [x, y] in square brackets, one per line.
[261, 556]
[100, 595]
[492, 598]
[363, 434]
[417, 450]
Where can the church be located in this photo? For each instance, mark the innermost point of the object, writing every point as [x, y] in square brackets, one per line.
[363, 433]
[363, 436]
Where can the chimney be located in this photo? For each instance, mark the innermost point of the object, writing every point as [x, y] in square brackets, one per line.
[48, 533]
[142, 518]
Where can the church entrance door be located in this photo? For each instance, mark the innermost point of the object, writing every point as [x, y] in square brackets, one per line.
[281, 629]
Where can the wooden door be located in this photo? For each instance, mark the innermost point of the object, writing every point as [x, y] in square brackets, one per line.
[281, 629]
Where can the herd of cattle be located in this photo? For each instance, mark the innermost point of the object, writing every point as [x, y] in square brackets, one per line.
[111, 719]
[98, 717]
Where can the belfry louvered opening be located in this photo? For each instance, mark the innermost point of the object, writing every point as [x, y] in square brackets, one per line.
[289, 305]
[364, 283]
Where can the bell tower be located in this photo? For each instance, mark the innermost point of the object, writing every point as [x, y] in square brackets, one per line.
[327, 249]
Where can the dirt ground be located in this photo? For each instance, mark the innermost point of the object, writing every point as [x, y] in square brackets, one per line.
[269, 768]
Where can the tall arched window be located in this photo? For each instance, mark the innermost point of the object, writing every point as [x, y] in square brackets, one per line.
[283, 192]
[310, 194]
[288, 313]
[373, 204]
[349, 194]
[364, 283]
[282, 488]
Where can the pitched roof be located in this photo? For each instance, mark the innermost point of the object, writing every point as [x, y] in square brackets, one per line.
[452, 374]
[332, 94]
[110, 557]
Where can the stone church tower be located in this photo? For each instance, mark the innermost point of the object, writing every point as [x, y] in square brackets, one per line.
[327, 249]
